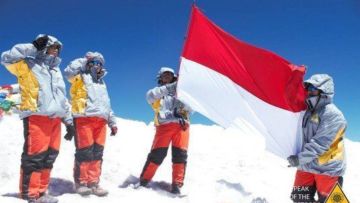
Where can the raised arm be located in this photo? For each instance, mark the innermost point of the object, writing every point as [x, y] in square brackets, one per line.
[158, 92]
[75, 67]
[17, 53]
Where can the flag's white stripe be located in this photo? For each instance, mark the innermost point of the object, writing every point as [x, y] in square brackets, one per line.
[228, 104]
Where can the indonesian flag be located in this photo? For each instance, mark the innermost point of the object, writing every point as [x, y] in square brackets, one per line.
[239, 85]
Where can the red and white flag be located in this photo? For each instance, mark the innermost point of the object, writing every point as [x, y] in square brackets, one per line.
[239, 85]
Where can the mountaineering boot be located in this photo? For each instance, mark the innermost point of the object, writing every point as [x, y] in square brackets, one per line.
[141, 183]
[175, 189]
[98, 191]
[82, 190]
[46, 198]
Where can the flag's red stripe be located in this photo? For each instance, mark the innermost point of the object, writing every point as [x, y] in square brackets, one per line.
[264, 74]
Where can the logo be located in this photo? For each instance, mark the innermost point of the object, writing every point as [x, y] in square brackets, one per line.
[315, 118]
[337, 195]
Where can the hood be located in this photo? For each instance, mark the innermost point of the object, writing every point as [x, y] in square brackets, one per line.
[51, 61]
[52, 40]
[95, 56]
[322, 82]
[99, 57]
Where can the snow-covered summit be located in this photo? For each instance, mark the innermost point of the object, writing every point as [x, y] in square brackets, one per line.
[224, 165]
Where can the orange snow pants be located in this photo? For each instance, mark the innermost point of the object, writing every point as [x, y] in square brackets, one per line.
[41, 147]
[89, 143]
[306, 184]
[166, 133]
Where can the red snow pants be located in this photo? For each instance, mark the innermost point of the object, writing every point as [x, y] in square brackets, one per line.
[179, 138]
[89, 143]
[41, 147]
[306, 184]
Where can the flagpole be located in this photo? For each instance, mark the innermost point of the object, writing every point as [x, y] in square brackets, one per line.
[186, 33]
[187, 29]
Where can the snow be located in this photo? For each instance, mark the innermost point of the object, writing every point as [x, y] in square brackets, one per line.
[224, 165]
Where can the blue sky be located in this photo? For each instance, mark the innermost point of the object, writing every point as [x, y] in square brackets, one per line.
[138, 36]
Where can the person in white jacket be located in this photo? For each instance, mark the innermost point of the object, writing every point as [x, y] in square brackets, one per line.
[43, 106]
[172, 126]
[321, 162]
[91, 110]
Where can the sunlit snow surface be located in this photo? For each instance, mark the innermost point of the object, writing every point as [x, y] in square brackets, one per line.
[224, 166]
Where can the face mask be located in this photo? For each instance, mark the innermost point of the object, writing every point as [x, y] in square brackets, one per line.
[312, 102]
[97, 72]
[49, 59]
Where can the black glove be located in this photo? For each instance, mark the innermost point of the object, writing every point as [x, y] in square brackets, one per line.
[41, 42]
[177, 113]
[293, 161]
[114, 130]
[181, 117]
[70, 132]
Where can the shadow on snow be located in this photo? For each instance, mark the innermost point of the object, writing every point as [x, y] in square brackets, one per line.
[57, 187]
[161, 187]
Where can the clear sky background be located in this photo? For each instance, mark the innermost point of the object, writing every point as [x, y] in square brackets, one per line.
[137, 37]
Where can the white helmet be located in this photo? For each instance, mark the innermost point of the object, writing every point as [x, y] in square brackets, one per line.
[163, 70]
[166, 69]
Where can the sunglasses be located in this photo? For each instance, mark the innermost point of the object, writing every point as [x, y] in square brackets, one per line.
[311, 88]
[94, 63]
[55, 46]
[166, 73]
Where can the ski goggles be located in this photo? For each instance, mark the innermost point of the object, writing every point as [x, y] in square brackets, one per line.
[311, 88]
[94, 63]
